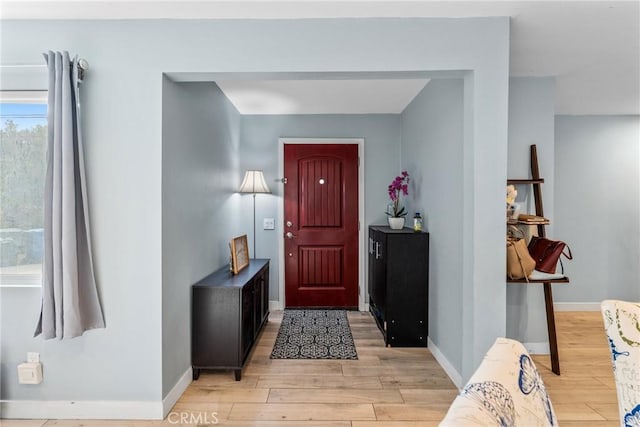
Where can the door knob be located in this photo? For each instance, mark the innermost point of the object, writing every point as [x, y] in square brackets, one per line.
[290, 235]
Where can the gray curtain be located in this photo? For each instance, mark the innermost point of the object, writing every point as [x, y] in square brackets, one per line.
[70, 304]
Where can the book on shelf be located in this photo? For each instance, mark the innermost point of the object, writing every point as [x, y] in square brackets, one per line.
[532, 219]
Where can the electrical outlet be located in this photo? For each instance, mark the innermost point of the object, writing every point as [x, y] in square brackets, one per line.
[30, 373]
[33, 357]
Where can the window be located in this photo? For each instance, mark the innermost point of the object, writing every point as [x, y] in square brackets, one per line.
[23, 150]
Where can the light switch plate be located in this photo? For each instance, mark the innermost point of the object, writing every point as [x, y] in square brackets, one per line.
[269, 224]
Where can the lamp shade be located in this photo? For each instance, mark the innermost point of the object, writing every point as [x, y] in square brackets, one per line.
[254, 182]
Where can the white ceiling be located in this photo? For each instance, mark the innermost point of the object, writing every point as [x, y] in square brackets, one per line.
[321, 96]
[592, 48]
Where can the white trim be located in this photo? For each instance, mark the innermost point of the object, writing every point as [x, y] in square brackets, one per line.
[24, 96]
[20, 280]
[361, 233]
[445, 364]
[172, 397]
[275, 306]
[20, 286]
[537, 347]
[81, 410]
[576, 306]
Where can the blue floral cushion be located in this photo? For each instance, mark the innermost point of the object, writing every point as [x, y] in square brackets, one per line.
[506, 390]
[622, 324]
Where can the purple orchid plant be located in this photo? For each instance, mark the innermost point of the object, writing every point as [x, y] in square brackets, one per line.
[399, 186]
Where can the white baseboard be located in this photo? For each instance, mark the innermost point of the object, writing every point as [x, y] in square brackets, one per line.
[537, 347]
[103, 409]
[275, 305]
[576, 306]
[81, 410]
[172, 397]
[445, 364]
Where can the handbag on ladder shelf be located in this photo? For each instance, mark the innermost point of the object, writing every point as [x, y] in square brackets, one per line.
[520, 264]
[547, 252]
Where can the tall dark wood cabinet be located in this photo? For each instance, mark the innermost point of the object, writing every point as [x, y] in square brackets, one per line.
[399, 285]
[227, 314]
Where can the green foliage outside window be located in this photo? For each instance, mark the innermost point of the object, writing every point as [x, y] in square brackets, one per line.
[22, 171]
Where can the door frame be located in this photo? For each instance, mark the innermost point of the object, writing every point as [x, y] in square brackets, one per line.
[361, 224]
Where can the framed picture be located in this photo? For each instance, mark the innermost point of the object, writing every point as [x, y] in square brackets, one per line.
[239, 253]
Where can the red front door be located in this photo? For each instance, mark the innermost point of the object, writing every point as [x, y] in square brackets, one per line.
[321, 225]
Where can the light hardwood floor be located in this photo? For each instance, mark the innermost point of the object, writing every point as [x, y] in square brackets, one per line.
[385, 387]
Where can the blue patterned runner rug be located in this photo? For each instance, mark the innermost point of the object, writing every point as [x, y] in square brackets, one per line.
[314, 334]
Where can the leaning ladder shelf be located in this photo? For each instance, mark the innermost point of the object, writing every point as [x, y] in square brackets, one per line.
[536, 182]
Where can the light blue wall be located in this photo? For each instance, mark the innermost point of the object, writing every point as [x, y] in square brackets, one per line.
[200, 175]
[260, 135]
[122, 110]
[531, 121]
[121, 107]
[597, 206]
[432, 153]
[590, 165]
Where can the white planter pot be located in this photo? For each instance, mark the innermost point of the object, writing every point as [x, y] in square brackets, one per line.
[396, 223]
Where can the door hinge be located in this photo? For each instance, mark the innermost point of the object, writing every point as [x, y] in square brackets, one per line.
[358, 161]
[283, 180]
[358, 225]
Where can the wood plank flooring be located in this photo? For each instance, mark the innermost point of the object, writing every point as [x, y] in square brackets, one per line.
[585, 392]
[385, 387]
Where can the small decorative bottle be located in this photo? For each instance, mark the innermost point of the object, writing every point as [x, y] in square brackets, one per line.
[417, 222]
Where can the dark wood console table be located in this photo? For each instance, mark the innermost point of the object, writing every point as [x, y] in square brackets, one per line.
[227, 314]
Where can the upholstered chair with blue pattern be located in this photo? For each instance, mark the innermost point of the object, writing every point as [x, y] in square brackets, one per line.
[622, 324]
[505, 390]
